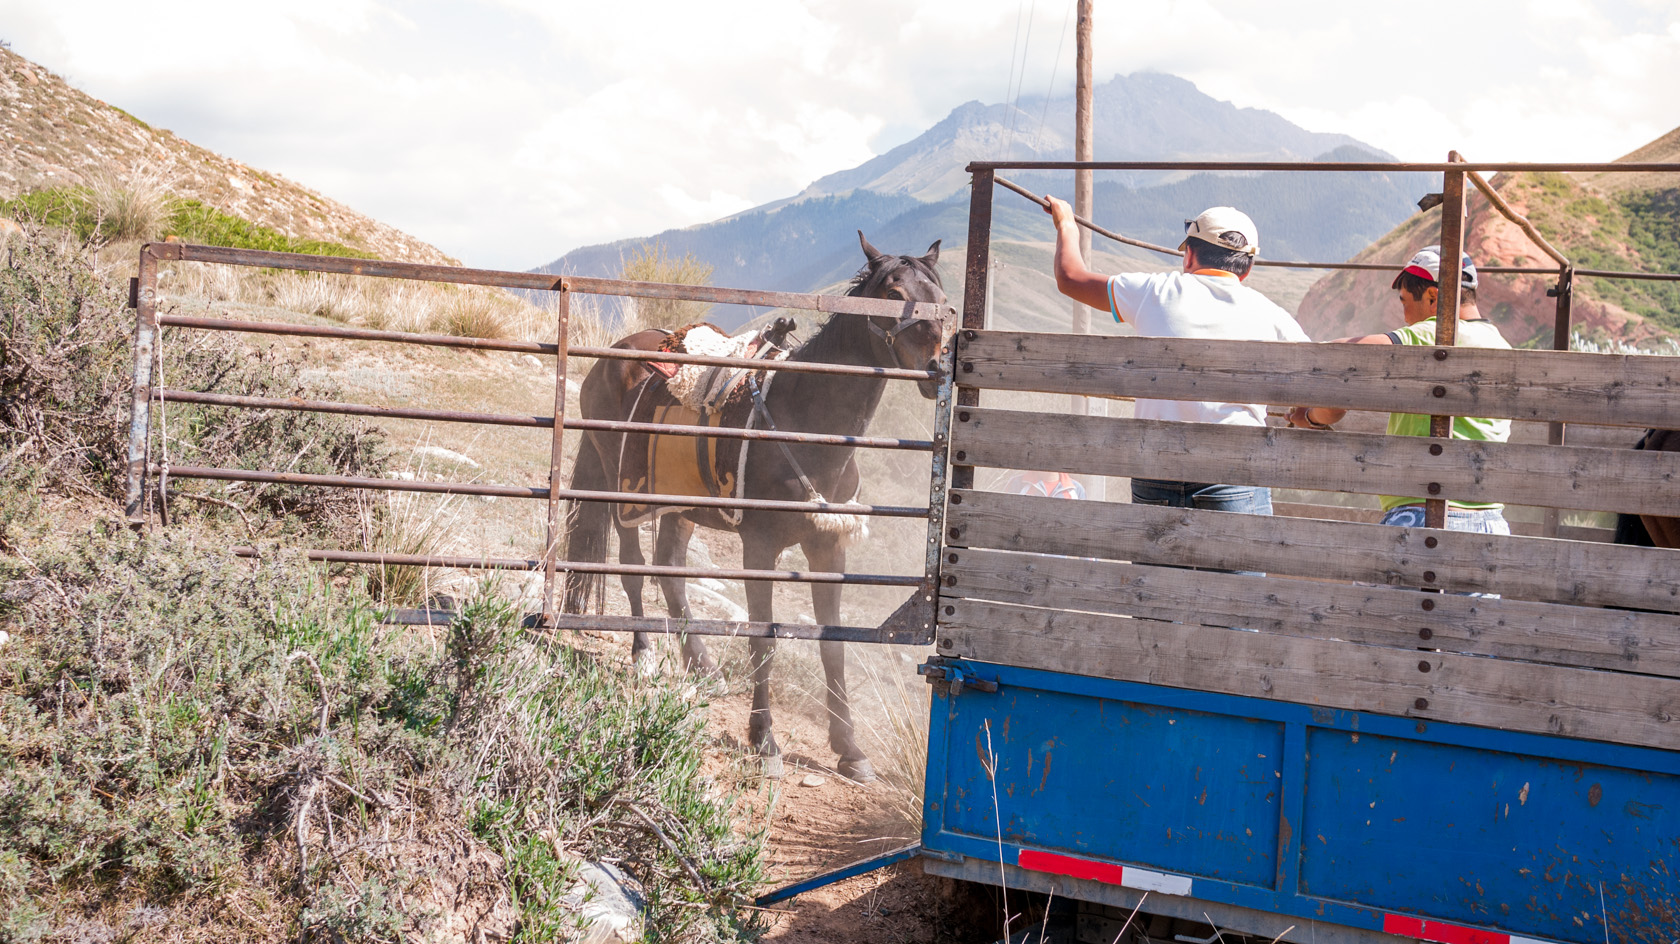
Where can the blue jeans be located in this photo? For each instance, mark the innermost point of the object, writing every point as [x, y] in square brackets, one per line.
[1474, 520]
[1245, 499]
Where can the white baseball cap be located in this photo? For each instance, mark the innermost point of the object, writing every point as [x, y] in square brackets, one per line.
[1226, 227]
[1427, 264]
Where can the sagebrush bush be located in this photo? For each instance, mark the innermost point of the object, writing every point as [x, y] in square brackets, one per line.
[182, 730]
[66, 391]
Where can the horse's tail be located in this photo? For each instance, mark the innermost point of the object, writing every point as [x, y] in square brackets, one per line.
[587, 523]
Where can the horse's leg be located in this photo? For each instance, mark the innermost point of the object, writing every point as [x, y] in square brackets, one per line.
[671, 550]
[760, 555]
[827, 555]
[642, 654]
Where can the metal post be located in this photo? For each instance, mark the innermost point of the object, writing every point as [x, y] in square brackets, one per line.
[1083, 197]
[140, 416]
[1446, 305]
[1564, 292]
[551, 549]
[975, 281]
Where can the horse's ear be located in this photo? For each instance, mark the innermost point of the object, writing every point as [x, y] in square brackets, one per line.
[869, 252]
[932, 257]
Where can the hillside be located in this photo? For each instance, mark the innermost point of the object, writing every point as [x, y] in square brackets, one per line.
[917, 192]
[54, 136]
[1604, 221]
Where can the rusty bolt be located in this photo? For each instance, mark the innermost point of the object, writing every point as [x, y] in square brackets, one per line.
[971, 335]
[950, 558]
[961, 455]
[1421, 703]
[968, 367]
[1434, 449]
[950, 611]
[962, 416]
[1426, 633]
[1430, 542]
[1439, 391]
[1434, 488]
[1423, 666]
[953, 533]
[956, 499]
[1441, 354]
[1429, 576]
[1428, 605]
[950, 580]
[946, 644]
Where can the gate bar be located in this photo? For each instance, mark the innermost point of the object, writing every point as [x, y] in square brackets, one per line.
[557, 449]
[534, 347]
[535, 422]
[329, 556]
[522, 491]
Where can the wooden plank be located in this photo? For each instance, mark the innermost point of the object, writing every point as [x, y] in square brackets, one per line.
[1526, 568]
[1430, 686]
[1554, 476]
[1373, 515]
[1621, 390]
[1647, 643]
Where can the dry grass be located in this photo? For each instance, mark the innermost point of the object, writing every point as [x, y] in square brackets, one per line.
[336, 297]
[406, 523]
[896, 738]
[651, 263]
[471, 315]
[133, 207]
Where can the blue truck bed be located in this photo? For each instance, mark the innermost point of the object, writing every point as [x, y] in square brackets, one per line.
[1259, 815]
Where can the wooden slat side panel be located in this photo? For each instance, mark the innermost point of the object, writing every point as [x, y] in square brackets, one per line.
[1618, 390]
[1525, 568]
[1553, 476]
[1618, 640]
[1372, 516]
[1432, 686]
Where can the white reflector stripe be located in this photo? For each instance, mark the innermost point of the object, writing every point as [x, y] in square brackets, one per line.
[1145, 880]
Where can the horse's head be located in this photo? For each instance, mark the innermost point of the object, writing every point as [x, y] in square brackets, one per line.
[911, 343]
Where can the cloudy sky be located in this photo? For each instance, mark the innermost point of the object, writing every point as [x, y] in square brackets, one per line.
[507, 132]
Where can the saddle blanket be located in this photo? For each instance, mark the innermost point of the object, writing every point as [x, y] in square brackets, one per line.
[691, 395]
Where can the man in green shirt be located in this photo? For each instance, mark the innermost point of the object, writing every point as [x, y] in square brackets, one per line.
[1418, 286]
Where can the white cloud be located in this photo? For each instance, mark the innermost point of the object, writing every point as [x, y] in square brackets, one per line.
[508, 131]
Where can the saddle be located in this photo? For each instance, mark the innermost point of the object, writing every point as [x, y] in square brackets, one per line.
[695, 395]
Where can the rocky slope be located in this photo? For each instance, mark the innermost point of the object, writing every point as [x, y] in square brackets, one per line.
[54, 135]
[1625, 222]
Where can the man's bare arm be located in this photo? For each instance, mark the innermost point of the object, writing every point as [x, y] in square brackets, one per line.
[1073, 279]
[1318, 417]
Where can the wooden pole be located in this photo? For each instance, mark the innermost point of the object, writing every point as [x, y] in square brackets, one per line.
[1083, 197]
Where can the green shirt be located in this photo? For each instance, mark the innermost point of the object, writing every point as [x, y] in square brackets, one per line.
[1470, 334]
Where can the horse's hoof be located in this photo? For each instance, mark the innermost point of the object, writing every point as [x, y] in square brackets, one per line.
[772, 766]
[646, 663]
[857, 771]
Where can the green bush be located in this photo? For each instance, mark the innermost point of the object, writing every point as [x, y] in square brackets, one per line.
[180, 730]
[77, 210]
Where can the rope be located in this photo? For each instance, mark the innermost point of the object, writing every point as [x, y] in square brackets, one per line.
[811, 493]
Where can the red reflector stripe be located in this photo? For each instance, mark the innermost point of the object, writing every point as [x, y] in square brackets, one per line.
[1069, 866]
[1440, 931]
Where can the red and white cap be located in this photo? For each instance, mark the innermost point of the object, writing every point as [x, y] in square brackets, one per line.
[1427, 265]
[1226, 227]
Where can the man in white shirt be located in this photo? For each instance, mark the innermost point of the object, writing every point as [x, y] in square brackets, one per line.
[1205, 300]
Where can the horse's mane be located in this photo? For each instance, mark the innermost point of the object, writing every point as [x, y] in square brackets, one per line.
[828, 337]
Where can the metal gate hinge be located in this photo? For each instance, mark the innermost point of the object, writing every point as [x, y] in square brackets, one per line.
[955, 677]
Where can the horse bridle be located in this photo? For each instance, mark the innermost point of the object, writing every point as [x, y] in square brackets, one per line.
[890, 335]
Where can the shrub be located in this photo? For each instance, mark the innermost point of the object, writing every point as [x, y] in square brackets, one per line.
[179, 731]
[650, 263]
[134, 208]
[470, 315]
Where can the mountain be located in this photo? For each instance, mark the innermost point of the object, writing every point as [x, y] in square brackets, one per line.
[1628, 222]
[56, 136]
[918, 191]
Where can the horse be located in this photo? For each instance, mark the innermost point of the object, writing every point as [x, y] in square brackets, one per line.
[806, 402]
[1651, 530]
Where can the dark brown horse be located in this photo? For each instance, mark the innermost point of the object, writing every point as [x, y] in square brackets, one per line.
[813, 403]
[1652, 530]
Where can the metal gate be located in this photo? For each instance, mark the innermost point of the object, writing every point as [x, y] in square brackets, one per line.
[911, 623]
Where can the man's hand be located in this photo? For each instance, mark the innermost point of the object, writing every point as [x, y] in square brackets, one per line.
[1060, 213]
